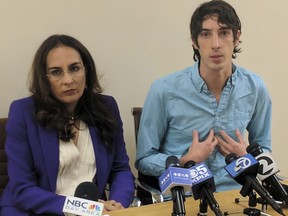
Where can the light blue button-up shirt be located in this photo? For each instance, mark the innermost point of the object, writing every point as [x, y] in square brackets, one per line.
[181, 102]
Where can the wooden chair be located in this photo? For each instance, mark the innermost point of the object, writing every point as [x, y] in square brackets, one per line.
[147, 187]
[3, 157]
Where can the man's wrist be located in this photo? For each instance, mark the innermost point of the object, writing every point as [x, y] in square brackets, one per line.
[183, 160]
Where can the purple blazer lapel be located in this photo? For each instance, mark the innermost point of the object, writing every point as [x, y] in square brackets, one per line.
[100, 152]
[50, 146]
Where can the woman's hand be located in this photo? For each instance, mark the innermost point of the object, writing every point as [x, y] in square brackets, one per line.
[111, 205]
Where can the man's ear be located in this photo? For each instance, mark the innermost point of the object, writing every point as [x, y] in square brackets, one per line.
[194, 45]
[237, 40]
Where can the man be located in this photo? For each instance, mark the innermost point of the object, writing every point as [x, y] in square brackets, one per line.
[202, 112]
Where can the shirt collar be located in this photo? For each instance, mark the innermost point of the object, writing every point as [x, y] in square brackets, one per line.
[199, 82]
[196, 78]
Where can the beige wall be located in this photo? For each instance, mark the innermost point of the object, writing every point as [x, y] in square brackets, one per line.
[136, 41]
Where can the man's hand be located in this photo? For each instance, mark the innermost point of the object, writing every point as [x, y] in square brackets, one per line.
[227, 145]
[200, 151]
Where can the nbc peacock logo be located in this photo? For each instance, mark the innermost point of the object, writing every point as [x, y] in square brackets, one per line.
[94, 207]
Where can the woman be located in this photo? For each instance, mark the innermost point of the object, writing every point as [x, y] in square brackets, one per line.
[66, 133]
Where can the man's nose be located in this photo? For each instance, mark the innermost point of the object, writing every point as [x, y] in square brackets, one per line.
[215, 42]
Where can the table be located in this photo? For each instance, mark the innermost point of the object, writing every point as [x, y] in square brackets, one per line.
[226, 201]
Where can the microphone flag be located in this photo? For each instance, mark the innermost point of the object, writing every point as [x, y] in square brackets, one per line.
[175, 176]
[200, 174]
[83, 207]
[267, 166]
[246, 163]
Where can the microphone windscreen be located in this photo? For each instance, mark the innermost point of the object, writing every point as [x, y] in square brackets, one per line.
[230, 158]
[172, 161]
[189, 164]
[87, 190]
[254, 149]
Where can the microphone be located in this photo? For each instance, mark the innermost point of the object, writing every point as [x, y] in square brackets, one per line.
[87, 190]
[267, 172]
[84, 202]
[243, 170]
[203, 185]
[175, 181]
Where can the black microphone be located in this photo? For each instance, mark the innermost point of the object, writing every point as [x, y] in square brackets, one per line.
[173, 180]
[84, 202]
[203, 186]
[267, 173]
[87, 190]
[178, 195]
[244, 170]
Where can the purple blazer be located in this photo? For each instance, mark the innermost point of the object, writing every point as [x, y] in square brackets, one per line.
[33, 161]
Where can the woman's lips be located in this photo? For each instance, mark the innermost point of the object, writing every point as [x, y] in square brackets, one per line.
[70, 92]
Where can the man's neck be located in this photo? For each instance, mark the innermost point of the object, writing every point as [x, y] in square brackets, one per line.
[215, 79]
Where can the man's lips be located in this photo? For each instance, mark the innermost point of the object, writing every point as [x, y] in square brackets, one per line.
[216, 57]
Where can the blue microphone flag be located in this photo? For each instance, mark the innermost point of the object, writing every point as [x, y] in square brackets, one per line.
[240, 165]
[200, 174]
[175, 176]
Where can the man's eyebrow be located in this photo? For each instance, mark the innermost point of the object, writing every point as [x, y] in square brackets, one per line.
[221, 28]
[225, 28]
[203, 29]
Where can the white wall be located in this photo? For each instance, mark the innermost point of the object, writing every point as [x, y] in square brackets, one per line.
[134, 42]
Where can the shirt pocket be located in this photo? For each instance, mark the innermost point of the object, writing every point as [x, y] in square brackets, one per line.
[235, 120]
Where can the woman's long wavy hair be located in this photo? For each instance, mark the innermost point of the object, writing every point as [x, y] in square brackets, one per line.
[91, 108]
[226, 15]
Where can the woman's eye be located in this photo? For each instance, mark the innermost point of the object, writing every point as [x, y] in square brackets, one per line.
[56, 72]
[74, 69]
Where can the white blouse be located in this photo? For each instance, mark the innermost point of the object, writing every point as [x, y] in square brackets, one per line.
[76, 162]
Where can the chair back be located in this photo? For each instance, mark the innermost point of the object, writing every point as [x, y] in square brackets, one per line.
[151, 181]
[136, 112]
[3, 157]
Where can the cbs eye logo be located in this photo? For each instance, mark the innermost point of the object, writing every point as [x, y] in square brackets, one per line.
[199, 170]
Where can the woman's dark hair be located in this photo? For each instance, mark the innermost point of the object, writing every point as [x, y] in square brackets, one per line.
[226, 15]
[91, 107]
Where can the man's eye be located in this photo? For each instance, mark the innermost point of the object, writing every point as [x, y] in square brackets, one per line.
[224, 33]
[205, 34]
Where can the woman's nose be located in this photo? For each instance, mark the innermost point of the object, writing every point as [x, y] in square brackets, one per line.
[67, 78]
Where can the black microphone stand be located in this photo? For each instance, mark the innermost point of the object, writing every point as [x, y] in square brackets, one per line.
[211, 201]
[203, 207]
[252, 201]
[178, 198]
[251, 210]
